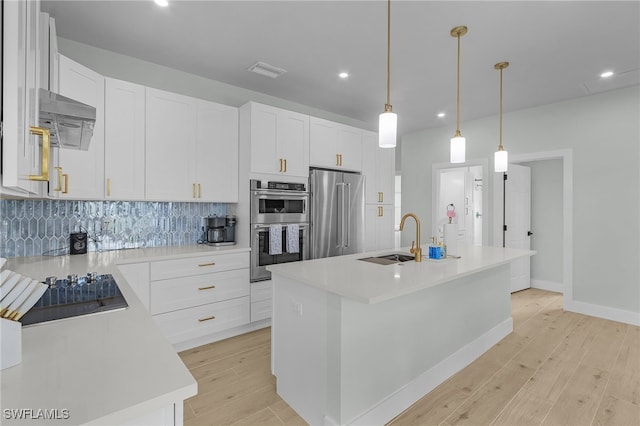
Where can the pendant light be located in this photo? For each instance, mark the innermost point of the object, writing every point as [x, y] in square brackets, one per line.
[388, 124]
[458, 141]
[501, 158]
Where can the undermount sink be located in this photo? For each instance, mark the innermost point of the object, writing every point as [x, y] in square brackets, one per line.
[389, 259]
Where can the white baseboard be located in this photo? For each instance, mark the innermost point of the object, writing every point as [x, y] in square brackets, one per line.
[403, 398]
[613, 314]
[232, 332]
[547, 285]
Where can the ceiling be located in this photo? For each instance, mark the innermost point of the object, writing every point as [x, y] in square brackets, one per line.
[556, 50]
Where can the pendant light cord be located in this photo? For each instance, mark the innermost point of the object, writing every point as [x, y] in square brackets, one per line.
[387, 106]
[458, 95]
[500, 147]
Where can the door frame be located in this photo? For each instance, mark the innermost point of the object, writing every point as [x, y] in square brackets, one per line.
[566, 155]
[436, 168]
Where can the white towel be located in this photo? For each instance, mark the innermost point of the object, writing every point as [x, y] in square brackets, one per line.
[293, 238]
[275, 239]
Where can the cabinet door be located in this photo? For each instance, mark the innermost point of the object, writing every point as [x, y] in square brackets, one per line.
[170, 147]
[84, 170]
[323, 137]
[264, 154]
[293, 143]
[379, 227]
[124, 140]
[371, 212]
[21, 151]
[350, 148]
[217, 152]
[378, 166]
[386, 171]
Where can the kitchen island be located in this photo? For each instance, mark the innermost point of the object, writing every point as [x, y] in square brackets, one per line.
[111, 368]
[355, 342]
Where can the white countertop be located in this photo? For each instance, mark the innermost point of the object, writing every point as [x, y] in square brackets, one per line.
[104, 368]
[372, 283]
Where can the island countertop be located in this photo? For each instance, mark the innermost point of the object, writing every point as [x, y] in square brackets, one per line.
[107, 368]
[366, 282]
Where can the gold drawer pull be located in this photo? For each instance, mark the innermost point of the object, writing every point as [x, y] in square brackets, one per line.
[59, 187]
[207, 288]
[65, 177]
[207, 264]
[108, 187]
[46, 148]
[212, 317]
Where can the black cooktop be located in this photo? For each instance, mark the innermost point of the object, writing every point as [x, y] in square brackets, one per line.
[75, 296]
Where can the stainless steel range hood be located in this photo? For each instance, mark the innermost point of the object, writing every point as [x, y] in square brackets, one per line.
[70, 122]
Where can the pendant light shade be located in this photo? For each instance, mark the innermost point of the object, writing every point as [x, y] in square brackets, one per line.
[387, 130]
[501, 157]
[388, 124]
[458, 142]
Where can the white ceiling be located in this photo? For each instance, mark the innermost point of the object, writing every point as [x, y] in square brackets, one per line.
[557, 49]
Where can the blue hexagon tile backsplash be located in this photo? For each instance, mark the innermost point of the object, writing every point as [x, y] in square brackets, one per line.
[42, 227]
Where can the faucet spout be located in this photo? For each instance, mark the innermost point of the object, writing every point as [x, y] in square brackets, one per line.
[417, 250]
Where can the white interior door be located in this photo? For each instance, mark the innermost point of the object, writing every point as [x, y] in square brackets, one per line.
[518, 222]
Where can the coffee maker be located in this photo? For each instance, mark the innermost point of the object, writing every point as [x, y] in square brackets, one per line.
[220, 230]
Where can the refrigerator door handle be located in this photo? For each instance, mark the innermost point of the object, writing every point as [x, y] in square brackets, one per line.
[347, 218]
[340, 214]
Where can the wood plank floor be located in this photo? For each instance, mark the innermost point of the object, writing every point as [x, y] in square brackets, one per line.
[556, 368]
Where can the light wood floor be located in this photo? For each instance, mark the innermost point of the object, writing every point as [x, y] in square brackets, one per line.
[556, 368]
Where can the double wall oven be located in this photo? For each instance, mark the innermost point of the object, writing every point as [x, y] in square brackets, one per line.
[280, 207]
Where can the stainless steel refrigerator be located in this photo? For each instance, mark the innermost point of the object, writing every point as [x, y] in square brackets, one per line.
[337, 213]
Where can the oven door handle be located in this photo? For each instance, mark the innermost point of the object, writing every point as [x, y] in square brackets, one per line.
[300, 225]
[261, 195]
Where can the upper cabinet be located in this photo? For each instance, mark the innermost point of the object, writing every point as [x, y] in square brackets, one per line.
[217, 152]
[279, 140]
[25, 150]
[334, 145]
[191, 149]
[171, 146]
[80, 174]
[124, 134]
[378, 166]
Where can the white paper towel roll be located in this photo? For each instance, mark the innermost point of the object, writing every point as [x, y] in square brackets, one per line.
[451, 238]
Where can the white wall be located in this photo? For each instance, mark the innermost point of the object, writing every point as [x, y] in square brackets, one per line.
[603, 132]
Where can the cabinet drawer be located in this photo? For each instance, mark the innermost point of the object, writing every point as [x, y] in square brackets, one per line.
[261, 310]
[198, 265]
[261, 290]
[199, 321]
[179, 293]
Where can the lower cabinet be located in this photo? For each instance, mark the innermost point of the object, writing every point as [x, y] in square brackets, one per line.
[261, 300]
[379, 227]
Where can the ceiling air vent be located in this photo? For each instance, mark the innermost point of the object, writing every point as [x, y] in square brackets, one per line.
[266, 70]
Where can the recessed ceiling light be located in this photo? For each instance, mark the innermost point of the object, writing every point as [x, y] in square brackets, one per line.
[441, 114]
[163, 3]
[606, 74]
[343, 75]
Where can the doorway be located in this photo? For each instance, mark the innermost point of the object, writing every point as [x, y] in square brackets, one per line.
[461, 188]
[551, 219]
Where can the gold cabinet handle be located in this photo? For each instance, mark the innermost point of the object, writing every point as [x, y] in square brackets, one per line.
[337, 159]
[46, 149]
[285, 165]
[381, 197]
[193, 195]
[58, 188]
[199, 191]
[207, 264]
[65, 177]
[207, 288]
[212, 317]
[280, 164]
[380, 212]
[108, 187]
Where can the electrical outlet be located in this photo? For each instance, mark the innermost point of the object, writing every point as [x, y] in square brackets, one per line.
[106, 224]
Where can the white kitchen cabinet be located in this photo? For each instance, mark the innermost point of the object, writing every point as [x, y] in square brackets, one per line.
[124, 134]
[192, 298]
[379, 227]
[80, 174]
[217, 152]
[378, 167]
[261, 300]
[334, 145]
[170, 147]
[24, 154]
[279, 140]
[191, 149]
